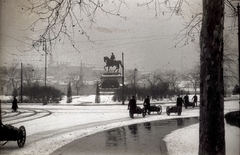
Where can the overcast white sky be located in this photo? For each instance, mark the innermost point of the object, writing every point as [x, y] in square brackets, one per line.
[148, 43]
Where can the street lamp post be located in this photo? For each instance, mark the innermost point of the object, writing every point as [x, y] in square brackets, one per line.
[123, 79]
[21, 83]
[134, 78]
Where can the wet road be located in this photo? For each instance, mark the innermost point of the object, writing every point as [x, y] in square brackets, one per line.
[140, 139]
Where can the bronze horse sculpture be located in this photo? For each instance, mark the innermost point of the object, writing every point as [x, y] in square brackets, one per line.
[110, 63]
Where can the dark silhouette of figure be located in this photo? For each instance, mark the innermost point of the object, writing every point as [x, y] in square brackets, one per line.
[112, 58]
[14, 104]
[186, 99]
[110, 63]
[179, 101]
[146, 104]
[195, 99]
[179, 104]
[132, 105]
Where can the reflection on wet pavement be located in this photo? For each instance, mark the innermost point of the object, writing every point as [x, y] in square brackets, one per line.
[143, 138]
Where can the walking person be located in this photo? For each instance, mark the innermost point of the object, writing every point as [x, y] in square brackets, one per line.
[14, 104]
[195, 99]
[179, 103]
[132, 106]
[146, 104]
[186, 100]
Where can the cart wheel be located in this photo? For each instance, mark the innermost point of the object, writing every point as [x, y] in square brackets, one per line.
[21, 136]
[160, 110]
[167, 110]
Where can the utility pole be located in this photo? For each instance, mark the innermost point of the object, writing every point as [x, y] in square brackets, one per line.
[21, 83]
[123, 79]
[45, 86]
[134, 78]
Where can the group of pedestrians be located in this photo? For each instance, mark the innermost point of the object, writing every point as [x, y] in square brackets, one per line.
[186, 100]
[132, 105]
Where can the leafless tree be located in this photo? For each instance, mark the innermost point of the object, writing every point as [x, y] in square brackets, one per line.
[173, 79]
[57, 19]
[156, 80]
[229, 64]
[3, 78]
[77, 81]
[13, 75]
[193, 76]
[155, 77]
[30, 75]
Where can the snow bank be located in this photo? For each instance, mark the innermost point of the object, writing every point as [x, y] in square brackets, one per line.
[189, 138]
[104, 99]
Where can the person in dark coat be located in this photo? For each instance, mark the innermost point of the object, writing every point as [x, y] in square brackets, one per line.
[132, 105]
[14, 104]
[195, 99]
[179, 101]
[186, 99]
[146, 104]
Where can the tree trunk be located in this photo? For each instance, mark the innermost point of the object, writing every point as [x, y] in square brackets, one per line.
[212, 132]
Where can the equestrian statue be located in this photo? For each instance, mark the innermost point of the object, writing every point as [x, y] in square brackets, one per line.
[111, 62]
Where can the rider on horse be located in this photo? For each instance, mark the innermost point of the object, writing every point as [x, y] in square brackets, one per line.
[111, 62]
[112, 58]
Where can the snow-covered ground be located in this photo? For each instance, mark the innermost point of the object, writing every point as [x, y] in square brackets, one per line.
[53, 126]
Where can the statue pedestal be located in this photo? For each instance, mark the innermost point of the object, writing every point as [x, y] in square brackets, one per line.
[110, 82]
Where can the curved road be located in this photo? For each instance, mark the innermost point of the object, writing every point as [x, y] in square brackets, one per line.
[140, 139]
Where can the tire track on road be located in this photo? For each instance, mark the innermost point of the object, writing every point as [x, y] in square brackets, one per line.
[12, 114]
[20, 115]
[31, 116]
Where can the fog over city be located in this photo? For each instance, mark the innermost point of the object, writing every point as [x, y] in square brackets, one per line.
[150, 40]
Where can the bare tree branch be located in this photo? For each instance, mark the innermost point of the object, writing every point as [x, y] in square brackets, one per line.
[59, 18]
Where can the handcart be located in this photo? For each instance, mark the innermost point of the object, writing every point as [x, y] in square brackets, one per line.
[155, 108]
[11, 133]
[174, 109]
[138, 110]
